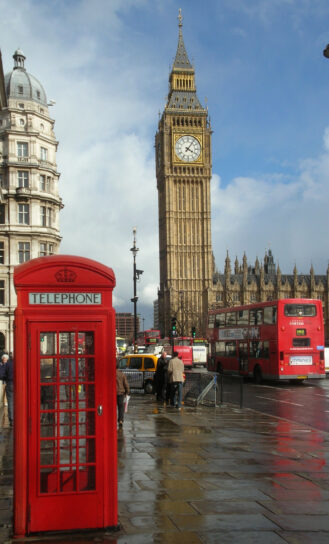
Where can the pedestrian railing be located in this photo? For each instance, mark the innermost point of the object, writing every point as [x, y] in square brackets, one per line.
[212, 389]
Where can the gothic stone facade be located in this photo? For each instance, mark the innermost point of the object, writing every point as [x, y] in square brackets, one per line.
[264, 281]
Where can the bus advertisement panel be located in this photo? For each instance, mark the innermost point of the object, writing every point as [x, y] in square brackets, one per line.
[277, 340]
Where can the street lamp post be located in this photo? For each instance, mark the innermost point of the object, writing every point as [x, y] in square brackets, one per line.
[136, 274]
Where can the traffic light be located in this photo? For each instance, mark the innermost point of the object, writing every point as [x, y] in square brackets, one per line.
[173, 326]
[193, 332]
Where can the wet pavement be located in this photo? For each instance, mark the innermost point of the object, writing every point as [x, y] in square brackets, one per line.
[206, 475]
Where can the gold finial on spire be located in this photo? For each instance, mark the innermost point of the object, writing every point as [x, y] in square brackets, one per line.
[180, 18]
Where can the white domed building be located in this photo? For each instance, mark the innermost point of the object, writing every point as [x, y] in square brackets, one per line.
[29, 198]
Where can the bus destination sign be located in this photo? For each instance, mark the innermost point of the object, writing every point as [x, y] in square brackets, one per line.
[62, 299]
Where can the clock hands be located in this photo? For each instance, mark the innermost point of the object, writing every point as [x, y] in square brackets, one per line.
[187, 148]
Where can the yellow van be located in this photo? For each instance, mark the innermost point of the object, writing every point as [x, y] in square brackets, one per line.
[144, 363]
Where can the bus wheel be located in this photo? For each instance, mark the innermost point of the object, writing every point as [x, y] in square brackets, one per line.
[148, 387]
[257, 374]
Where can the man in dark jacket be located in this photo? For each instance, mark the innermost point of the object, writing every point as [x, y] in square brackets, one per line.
[122, 391]
[7, 375]
[160, 377]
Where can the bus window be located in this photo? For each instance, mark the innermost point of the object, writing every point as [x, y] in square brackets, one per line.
[270, 315]
[243, 317]
[183, 342]
[230, 349]
[256, 316]
[255, 349]
[220, 320]
[243, 349]
[220, 349]
[266, 350]
[231, 318]
[211, 321]
[300, 310]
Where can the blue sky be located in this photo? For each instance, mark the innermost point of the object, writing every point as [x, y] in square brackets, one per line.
[259, 66]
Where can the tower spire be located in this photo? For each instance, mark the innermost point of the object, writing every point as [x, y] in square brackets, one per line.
[181, 60]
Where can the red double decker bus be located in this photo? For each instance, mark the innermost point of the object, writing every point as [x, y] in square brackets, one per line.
[149, 337]
[276, 340]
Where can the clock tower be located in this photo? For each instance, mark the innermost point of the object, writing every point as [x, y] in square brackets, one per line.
[183, 171]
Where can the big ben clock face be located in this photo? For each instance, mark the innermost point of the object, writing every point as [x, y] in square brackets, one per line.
[187, 148]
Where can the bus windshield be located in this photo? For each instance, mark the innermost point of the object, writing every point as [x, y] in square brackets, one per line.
[183, 342]
[152, 334]
[300, 310]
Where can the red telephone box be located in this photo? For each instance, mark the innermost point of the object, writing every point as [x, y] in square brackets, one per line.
[65, 447]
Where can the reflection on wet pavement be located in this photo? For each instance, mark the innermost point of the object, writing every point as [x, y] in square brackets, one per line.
[207, 475]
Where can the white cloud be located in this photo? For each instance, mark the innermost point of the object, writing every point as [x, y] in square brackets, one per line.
[290, 216]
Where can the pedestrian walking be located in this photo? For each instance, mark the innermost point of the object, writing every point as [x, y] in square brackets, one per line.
[122, 391]
[7, 375]
[161, 378]
[176, 377]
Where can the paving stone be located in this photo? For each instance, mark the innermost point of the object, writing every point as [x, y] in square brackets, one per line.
[228, 507]
[212, 522]
[298, 522]
[297, 507]
[295, 537]
[245, 537]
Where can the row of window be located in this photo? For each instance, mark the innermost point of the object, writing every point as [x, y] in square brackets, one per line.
[23, 181]
[256, 316]
[257, 349]
[236, 297]
[22, 123]
[20, 89]
[188, 170]
[23, 151]
[253, 297]
[259, 316]
[47, 215]
[24, 251]
[186, 121]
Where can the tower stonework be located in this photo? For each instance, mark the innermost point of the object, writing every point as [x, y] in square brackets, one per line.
[183, 171]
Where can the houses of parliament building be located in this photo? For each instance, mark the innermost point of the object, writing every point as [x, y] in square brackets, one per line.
[189, 282]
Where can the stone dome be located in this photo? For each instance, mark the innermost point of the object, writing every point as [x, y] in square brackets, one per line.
[20, 84]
